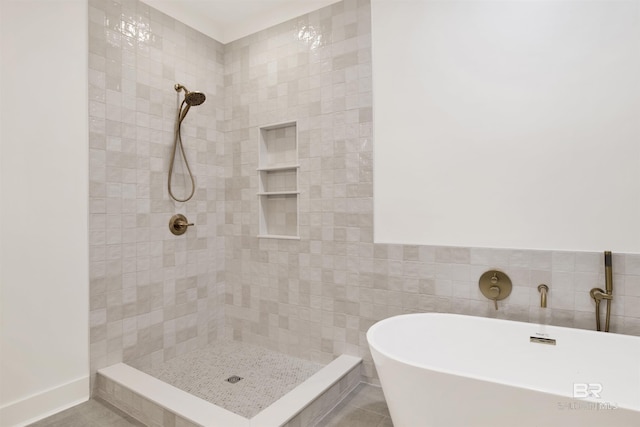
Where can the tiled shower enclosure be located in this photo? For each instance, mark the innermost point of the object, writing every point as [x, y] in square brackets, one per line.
[155, 296]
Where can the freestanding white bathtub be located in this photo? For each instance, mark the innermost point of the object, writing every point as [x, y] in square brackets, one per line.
[448, 370]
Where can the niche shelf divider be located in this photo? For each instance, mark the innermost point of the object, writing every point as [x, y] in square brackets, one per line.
[278, 181]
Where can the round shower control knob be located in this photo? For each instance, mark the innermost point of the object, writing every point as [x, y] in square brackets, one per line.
[178, 224]
[495, 285]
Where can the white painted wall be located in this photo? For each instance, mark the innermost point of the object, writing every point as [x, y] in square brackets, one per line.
[507, 124]
[44, 351]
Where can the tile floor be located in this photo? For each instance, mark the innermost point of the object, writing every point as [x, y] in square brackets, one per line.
[364, 407]
[93, 413]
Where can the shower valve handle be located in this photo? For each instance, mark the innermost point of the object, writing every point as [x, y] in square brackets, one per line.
[495, 285]
[495, 293]
[178, 224]
[181, 223]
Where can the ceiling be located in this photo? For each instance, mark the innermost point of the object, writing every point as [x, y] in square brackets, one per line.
[229, 20]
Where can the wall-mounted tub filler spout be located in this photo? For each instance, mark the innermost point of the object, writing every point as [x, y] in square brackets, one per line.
[598, 294]
[543, 289]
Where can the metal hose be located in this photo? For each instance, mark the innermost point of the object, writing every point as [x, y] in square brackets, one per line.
[190, 99]
[177, 142]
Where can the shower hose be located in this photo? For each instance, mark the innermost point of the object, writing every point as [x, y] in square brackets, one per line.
[177, 143]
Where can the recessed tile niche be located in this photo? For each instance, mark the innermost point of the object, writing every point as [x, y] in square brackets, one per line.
[278, 181]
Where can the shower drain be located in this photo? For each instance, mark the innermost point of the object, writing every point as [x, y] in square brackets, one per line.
[233, 379]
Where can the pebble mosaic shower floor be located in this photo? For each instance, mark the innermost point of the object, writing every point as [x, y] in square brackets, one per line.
[266, 375]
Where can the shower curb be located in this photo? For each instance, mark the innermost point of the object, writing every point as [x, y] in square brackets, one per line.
[158, 404]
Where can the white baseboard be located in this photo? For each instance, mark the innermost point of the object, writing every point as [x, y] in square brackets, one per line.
[41, 405]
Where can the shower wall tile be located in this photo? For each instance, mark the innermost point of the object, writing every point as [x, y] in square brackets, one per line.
[316, 297]
[153, 295]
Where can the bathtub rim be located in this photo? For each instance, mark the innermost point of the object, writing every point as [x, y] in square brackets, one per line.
[373, 346]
